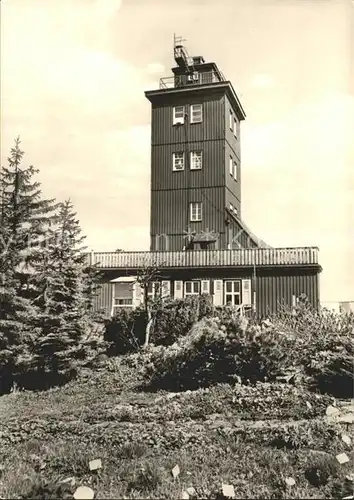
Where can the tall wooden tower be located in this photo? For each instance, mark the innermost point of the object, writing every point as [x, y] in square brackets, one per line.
[195, 158]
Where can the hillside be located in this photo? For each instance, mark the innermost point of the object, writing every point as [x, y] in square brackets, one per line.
[267, 441]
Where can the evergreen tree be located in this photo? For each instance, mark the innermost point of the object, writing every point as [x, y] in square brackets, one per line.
[68, 289]
[25, 218]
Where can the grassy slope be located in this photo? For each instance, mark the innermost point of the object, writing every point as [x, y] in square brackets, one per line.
[252, 438]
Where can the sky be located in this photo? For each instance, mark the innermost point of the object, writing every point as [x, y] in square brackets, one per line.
[74, 74]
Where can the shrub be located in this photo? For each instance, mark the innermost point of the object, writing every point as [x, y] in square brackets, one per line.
[174, 319]
[324, 347]
[214, 353]
[125, 332]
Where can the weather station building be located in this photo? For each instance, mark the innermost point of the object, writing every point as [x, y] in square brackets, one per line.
[198, 238]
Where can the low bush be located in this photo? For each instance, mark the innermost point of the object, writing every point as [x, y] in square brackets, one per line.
[125, 332]
[214, 353]
[324, 347]
[174, 319]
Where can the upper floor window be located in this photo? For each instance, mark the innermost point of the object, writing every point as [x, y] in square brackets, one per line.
[231, 120]
[235, 171]
[231, 166]
[196, 160]
[178, 161]
[195, 209]
[178, 115]
[196, 111]
[235, 128]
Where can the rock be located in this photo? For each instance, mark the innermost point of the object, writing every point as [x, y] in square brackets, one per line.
[348, 418]
[84, 493]
[350, 477]
[191, 491]
[309, 405]
[346, 439]
[228, 491]
[342, 458]
[184, 495]
[175, 471]
[332, 411]
[95, 464]
[290, 481]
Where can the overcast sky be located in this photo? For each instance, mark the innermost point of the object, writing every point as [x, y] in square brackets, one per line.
[74, 74]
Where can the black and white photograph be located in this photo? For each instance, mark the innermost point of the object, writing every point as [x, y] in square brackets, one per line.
[176, 249]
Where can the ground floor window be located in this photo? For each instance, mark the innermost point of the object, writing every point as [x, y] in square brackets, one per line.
[232, 291]
[154, 290]
[122, 296]
[192, 288]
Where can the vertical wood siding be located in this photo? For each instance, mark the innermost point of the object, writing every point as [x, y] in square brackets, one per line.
[212, 127]
[103, 300]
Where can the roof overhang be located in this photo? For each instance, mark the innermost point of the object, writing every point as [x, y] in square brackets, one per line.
[226, 86]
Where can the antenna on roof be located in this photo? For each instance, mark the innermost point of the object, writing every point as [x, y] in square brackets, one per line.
[180, 53]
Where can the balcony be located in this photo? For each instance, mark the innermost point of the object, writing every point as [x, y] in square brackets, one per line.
[184, 80]
[269, 257]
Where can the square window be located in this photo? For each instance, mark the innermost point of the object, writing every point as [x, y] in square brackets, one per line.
[196, 113]
[195, 211]
[178, 115]
[178, 161]
[196, 160]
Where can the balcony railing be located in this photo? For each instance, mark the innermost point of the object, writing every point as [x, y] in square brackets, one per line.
[190, 80]
[207, 258]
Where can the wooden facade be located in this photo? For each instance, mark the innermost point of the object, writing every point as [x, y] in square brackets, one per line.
[196, 165]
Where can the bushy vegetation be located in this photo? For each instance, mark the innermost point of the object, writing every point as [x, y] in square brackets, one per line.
[46, 287]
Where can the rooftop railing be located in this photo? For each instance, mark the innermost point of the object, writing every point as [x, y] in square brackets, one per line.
[207, 258]
[185, 80]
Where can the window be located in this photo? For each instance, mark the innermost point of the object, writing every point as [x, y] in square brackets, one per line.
[192, 288]
[196, 113]
[196, 211]
[178, 161]
[235, 171]
[231, 166]
[196, 160]
[122, 302]
[233, 293]
[154, 290]
[231, 207]
[235, 127]
[231, 119]
[178, 115]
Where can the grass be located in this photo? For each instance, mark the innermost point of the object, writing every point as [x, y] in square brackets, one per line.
[251, 437]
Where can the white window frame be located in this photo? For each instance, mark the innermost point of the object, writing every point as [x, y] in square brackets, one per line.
[195, 211]
[193, 108]
[194, 157]
[177, 110]
[231, 165]
[235, 170]
[155, 290]
[235, 127]
[231, 118]
[195, 286]
[177, 164]
[233, 293]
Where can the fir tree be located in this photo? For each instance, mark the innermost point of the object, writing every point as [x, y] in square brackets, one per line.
[25, 217]
[65, 302]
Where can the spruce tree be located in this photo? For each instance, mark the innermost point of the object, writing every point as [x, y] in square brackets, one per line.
[25, 217]
[68, 288]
